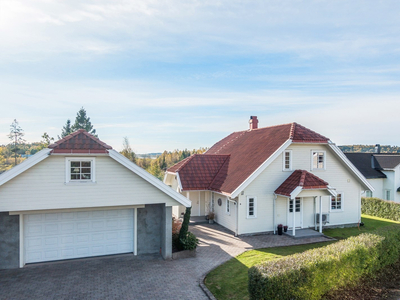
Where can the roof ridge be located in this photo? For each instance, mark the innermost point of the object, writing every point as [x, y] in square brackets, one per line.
[217, 173]
[292, 129]
[74, 134]
[302, 177]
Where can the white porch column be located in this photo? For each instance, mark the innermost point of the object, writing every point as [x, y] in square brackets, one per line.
[274, 212]
[294, 216]
[320, 214]
[315, 213]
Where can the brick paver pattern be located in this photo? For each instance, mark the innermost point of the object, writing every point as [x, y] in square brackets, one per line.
[141, 277]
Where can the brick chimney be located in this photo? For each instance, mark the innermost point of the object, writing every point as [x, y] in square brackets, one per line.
[253, 122]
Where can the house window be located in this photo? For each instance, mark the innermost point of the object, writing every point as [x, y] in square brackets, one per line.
[297, 205]
[318, 160]
[251, 207]
[368, 194]
[228, 206]
[337, 202]
[387, 195]
[80, 170]
[287, 160]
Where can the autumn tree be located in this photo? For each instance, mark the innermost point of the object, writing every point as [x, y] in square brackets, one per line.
[127, 150]
[16, 138]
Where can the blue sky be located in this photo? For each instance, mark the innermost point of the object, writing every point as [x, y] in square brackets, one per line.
[183, 74]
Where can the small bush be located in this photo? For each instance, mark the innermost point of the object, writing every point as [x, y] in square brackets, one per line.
[189, 242]
[311, 274]
[381, 208]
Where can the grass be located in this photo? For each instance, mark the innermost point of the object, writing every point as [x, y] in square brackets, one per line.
[229, 280]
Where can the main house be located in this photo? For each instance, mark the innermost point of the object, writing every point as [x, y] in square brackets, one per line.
[80, 198]
[382, 171]
[255, 179]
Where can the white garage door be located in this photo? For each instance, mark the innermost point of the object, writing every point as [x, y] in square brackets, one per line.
[55, 236]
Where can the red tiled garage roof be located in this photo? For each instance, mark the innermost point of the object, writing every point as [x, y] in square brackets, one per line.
[79, 142]
[248, 150]
[301, 178]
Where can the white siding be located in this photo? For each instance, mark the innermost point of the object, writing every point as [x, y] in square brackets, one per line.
[263, 187]
[43, 187]
[377, 183]
[221, 216]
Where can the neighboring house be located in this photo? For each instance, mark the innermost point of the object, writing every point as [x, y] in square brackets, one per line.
[80, 198]
[382, 171]
[255, 179]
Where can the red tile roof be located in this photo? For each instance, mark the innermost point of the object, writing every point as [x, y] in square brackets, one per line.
[301, 178]
[248, 150]
[200, 172]
[79, 142]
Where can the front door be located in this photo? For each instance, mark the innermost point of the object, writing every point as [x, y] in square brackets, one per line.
[295, 207]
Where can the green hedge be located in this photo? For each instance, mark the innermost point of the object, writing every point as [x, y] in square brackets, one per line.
[380, 208]
[311, 274]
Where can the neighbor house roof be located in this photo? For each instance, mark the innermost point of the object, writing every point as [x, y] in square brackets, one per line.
[387, 160]
[80, 142]
[303, 179]
[367, 164]
[247, 151]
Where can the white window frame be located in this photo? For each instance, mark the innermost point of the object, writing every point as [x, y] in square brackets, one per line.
[68, 161]
[341, 202]
[368, 194]
[284, 160]
[228, 207]
[386, 192]
[254, 206]
[312, 160]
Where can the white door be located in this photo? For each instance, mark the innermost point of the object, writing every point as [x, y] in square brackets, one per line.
[296, 208]
[56, 236]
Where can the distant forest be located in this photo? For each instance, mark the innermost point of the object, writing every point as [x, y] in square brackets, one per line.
[369, 148]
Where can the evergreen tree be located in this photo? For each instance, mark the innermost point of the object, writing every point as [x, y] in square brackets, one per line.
[46, 140]
[83, 122]
[66, 130]
[15, 136]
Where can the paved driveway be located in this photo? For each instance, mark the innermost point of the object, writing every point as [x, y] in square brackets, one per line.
[129, 277]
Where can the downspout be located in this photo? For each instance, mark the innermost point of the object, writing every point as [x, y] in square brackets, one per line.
[274, 212]
[315, 213]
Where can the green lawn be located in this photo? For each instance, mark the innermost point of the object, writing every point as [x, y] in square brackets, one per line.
[229, 281]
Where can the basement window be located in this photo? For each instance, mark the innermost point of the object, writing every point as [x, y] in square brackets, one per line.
[80, 169]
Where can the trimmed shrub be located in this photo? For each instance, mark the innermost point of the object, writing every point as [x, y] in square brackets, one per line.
[380, 208]
[189, 242]
[311, 274]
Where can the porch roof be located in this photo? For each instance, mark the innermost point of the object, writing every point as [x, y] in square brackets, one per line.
[300, 180]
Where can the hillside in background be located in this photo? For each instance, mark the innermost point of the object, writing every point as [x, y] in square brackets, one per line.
[369, 148]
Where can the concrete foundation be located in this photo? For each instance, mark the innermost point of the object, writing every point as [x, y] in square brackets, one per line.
[9, 241]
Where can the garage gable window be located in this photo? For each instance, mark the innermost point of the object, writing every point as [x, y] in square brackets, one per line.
[80, 169]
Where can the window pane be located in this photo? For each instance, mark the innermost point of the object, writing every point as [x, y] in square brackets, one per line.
[85, 176]
[85, 170]
[75, 170]
[86, 164]
[75, 164]
[75, 176]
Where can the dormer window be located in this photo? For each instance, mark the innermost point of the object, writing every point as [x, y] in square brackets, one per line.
[80, 169]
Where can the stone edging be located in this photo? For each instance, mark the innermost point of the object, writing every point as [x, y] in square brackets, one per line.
[205, 289]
